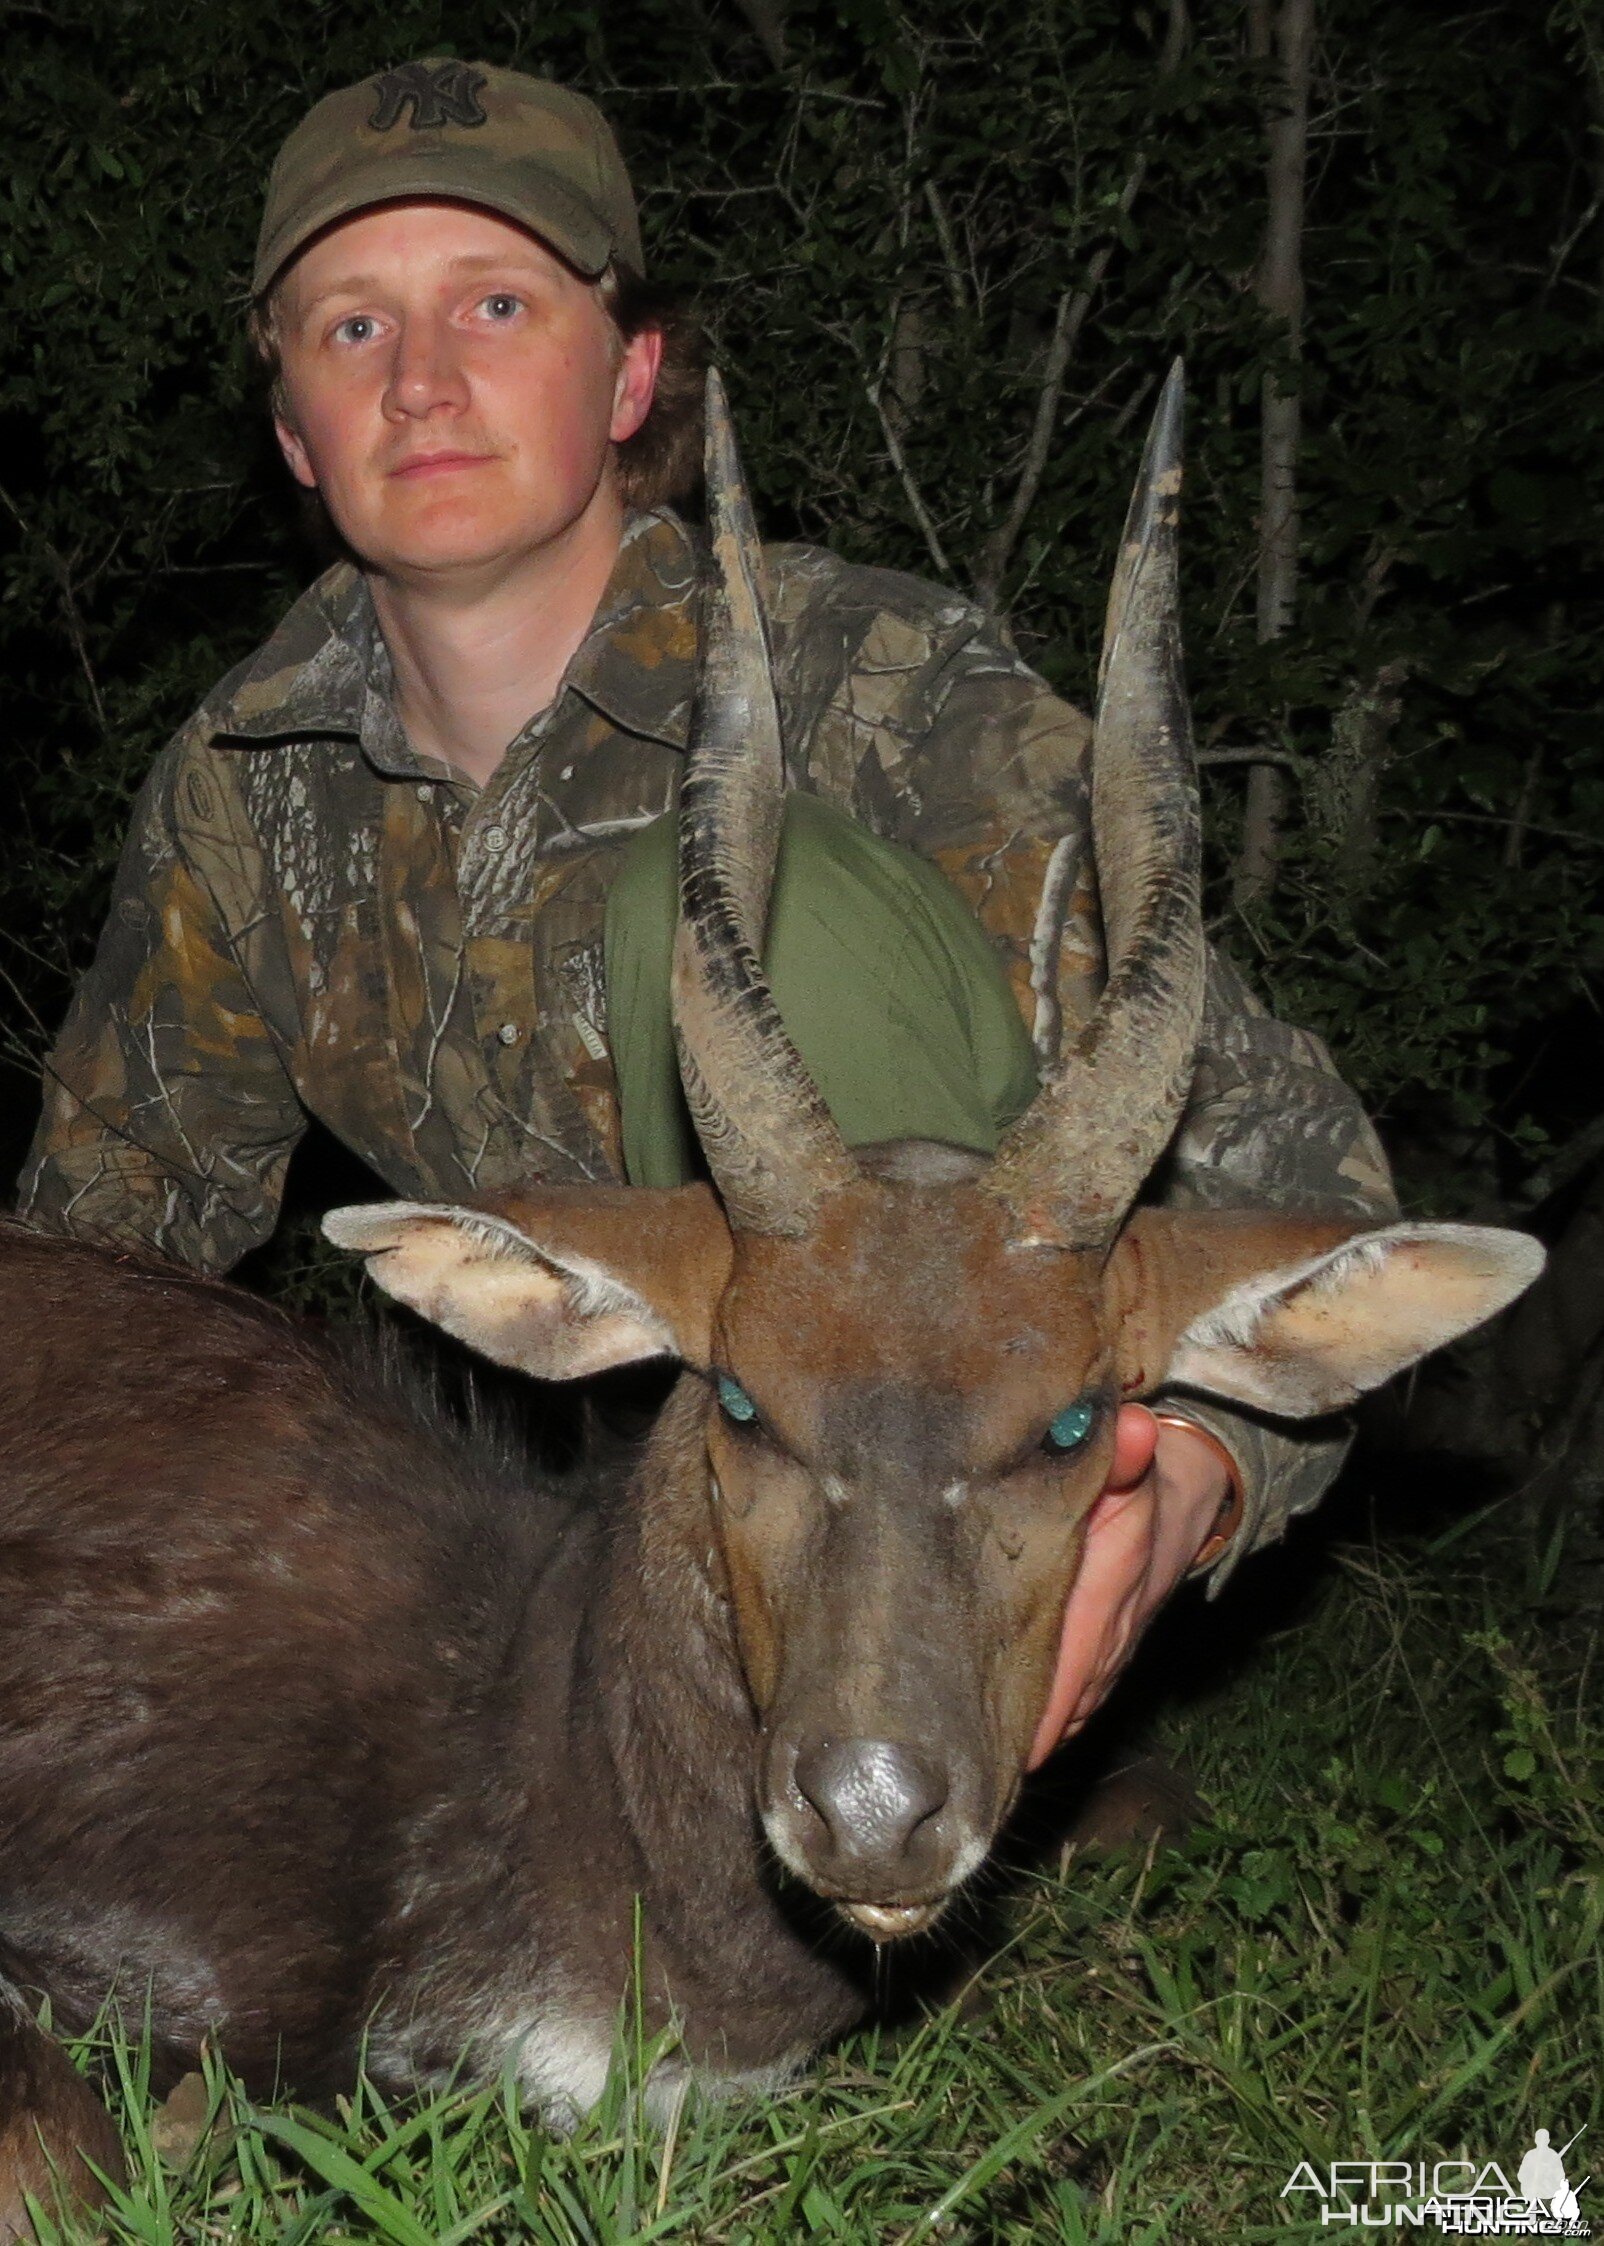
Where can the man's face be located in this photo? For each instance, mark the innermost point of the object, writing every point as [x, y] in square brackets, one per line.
[454, 388]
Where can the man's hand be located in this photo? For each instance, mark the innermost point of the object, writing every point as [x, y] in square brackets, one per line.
[1165, 1492]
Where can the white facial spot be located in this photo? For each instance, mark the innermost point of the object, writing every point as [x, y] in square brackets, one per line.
[968, 1859]
[783, 1841]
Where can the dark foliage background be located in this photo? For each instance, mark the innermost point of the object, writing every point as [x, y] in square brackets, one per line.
[917, 232]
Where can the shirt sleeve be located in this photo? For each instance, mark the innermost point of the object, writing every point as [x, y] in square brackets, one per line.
[989, 774]
[169, 1116]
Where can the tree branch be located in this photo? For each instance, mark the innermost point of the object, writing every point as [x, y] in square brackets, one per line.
[1070, 318]
[874, 391]
[1515, 840]
[903, 383]
[1073, 307]
[949, 248]
[1578, 836]
[1346, 782]
[1287, 760]
[61, 570]
[1592, 46]
[1288, 35]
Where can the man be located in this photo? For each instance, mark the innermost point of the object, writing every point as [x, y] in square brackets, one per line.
[368, 880]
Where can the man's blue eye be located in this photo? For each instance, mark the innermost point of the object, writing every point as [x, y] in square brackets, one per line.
[1072, 1426]
[737, 1404]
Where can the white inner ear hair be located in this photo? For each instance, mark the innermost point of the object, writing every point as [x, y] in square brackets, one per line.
[593, 1291]
[373, 1227]
[1234, 1321]
[490, 1233]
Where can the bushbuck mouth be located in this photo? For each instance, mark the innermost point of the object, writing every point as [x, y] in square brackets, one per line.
[892, 1922]
[887, 1863]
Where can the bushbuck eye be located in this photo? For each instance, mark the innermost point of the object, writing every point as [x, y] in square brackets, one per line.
[1071, 1428]
[736, 1403]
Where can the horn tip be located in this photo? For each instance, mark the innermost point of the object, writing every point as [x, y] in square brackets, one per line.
[1169, 419]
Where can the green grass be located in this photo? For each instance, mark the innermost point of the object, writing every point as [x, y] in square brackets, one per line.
[1386, 1946]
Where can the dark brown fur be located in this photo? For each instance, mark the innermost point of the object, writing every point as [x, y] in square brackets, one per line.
[316, 1722]
[52, 2127]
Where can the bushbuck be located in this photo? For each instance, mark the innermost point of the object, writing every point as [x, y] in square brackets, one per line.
[324, 1733]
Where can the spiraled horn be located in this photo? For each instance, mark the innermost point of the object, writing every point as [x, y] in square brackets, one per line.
[1073, 1164]
[770, 1142]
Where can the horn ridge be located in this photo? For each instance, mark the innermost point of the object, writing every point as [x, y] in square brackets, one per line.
[1073, 1164]
[771, 1144]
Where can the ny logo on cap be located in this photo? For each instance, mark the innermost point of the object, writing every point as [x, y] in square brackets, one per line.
[447, 94]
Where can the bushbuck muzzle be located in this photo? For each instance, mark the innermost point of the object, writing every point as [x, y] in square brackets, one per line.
[910, 1359]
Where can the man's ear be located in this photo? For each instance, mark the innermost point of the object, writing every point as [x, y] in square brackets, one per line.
[635, 383]
[296, 457]
[560, 1282]
[1314, 1334]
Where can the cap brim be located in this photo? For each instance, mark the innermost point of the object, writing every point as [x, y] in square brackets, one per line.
[552, 214]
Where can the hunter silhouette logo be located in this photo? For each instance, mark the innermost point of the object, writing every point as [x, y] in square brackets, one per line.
[443, 93]
[1463, 2198]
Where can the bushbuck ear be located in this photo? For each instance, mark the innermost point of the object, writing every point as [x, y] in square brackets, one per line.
[1315, 1334]
[558, 1283]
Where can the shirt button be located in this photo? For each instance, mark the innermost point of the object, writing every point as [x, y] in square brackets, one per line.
[495, 838]
[508, 1033]
[426, 792]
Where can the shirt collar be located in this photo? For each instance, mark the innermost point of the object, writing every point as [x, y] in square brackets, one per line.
[310, 677]
[326, 670]
[637, 664]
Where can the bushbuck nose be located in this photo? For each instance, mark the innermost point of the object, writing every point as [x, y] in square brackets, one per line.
[873, 1795]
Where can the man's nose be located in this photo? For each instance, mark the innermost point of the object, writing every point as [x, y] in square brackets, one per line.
[424, 374]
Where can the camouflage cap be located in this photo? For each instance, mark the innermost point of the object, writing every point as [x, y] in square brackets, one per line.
[533, 151]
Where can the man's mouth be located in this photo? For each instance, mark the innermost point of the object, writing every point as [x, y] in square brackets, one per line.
[439, 463]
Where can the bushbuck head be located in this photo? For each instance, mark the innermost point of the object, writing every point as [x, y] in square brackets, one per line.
[904, 1364]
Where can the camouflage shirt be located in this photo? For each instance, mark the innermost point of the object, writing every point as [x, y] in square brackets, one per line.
[313, 919]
